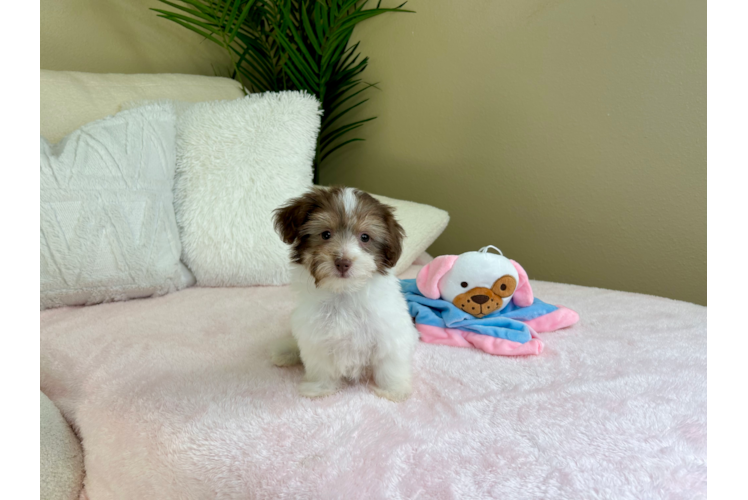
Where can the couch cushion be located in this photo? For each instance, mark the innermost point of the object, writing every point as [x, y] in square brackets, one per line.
[70, 99]
[175, 397]
[61, 456]
[108, 230]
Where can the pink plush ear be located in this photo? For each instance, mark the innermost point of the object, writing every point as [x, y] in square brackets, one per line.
[429, 276]
[523, 296]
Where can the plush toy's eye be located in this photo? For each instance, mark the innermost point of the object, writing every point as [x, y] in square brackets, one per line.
[503, 286]
[463, 284]
[364, 237]
[326, 235]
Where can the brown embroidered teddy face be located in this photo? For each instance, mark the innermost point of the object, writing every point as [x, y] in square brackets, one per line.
[480, 301]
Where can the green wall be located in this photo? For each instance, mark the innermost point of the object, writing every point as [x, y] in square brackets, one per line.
[570, 134]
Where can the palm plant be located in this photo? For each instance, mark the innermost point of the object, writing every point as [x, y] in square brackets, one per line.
[291, 45]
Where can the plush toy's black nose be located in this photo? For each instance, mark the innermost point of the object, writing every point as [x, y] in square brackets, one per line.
[344, 264]
[480, 299]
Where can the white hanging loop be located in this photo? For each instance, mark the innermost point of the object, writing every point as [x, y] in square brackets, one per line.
[485, 249]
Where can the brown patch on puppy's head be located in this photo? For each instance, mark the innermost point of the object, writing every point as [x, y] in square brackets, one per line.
[289, 218]
[292, 217]
[386, 233]
[341, 235]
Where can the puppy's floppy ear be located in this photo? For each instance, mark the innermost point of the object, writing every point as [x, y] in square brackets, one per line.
[289, 218]
[393, 241]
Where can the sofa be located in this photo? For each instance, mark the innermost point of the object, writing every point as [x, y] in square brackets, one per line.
[174, 396]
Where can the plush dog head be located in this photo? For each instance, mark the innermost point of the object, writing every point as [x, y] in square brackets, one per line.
[342, 236]
[479, 283]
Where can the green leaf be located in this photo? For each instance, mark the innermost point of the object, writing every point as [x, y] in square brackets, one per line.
[331, 120]
[344, 129]
[310, 33]
[172, 16]
[226, 9]
[291, 45]
[298, 66]
[194, 12]
[256, 84]
[348, 128]
[349, 52]
[260, 81]
[320, 18]
[331, 151]
[332, 54]
[241, 20]
[298, 80]
[257, 54]
[339, 92]
[314, 69]
[200, 6]
[339, 102]
[229, 22]
[350, 73]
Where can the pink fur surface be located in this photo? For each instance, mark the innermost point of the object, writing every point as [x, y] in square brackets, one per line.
[175, 398]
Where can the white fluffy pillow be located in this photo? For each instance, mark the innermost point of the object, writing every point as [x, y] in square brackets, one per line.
[236, 162]
[108, 230]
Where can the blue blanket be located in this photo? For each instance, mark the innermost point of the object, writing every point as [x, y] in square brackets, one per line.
[505, 324]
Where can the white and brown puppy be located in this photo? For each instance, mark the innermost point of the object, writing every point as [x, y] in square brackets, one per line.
[351, 320]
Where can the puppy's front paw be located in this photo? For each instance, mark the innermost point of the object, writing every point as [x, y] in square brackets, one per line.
[396, 395]
[314, 389]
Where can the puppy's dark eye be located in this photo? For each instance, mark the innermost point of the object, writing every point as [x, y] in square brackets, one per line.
[463, 284]
[326, 235]
[364, 238]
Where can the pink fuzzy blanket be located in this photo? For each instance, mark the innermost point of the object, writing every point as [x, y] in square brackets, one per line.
[174, 397]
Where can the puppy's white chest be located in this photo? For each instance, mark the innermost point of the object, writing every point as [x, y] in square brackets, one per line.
[346, 334]
[344, 322]
[344, 331]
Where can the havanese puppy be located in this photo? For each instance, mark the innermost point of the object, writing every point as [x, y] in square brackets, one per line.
[351, 321]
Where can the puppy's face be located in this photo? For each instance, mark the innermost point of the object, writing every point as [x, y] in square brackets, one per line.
[342, 236]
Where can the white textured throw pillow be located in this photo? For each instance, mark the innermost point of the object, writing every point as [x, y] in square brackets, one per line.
[108, 229]
[238, 161]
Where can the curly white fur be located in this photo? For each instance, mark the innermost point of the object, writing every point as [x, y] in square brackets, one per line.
[349, 335]
[351, 321]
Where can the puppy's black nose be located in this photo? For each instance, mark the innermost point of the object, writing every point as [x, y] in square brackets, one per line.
[480, 299]
[344, 264]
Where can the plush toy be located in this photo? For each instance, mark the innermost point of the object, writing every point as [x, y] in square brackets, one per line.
[483, 300]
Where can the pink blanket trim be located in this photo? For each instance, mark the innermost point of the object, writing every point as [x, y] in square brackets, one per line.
[560, 318]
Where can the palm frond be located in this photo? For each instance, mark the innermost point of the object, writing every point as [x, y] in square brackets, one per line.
[291, 45]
